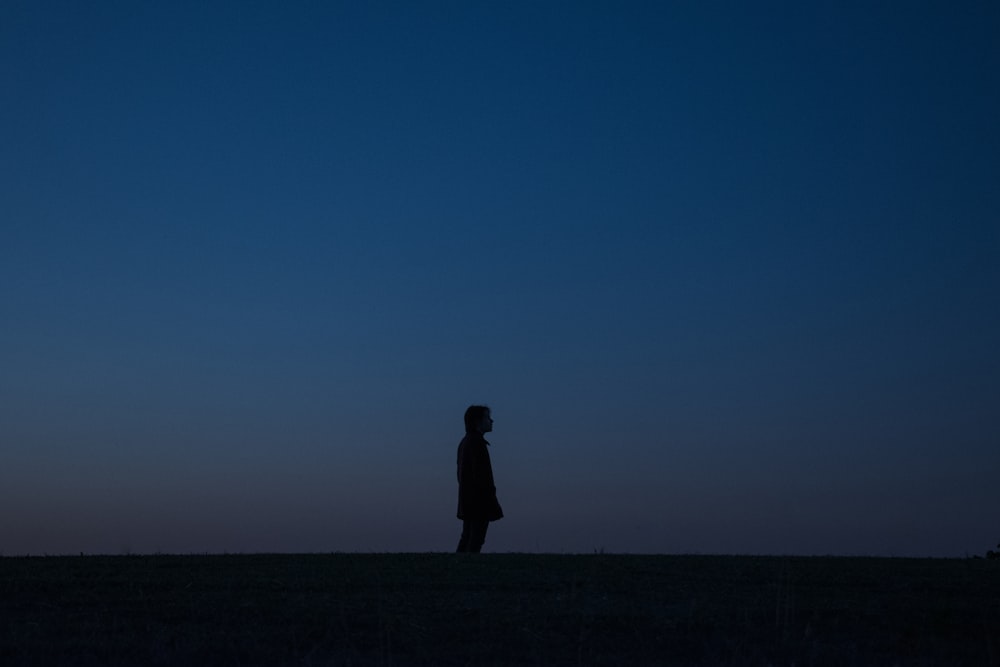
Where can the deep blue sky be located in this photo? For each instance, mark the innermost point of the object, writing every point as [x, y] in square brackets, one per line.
[726, 272]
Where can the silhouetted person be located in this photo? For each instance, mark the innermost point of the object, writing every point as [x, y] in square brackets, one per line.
[477, 494]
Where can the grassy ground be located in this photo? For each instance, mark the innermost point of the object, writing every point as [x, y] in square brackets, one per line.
[511, 609]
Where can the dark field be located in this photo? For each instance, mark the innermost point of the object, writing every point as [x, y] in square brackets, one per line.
[511, 609]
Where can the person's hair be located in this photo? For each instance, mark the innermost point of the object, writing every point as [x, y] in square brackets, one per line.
[474, 416]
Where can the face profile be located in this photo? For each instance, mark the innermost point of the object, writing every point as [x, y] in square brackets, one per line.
[487, 423]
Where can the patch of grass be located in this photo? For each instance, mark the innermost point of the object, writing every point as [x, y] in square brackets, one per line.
[510, 609]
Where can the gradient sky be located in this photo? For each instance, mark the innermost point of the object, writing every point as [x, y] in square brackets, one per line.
[726, 272]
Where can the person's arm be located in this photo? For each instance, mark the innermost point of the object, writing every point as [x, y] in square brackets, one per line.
[469, 475]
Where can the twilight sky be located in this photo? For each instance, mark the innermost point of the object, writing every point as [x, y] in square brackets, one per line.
[726, 272]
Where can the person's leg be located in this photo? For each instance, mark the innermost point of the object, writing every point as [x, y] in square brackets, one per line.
[473, 536]
[477, 535]
[463, 542]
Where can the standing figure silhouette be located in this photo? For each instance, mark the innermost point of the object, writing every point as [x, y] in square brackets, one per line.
[477, 493]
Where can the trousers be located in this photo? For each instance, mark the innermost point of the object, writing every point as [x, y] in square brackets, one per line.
[473, 535]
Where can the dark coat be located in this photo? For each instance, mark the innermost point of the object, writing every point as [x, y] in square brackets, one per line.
[477, 494]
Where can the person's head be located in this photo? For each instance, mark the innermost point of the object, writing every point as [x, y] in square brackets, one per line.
[478, 419]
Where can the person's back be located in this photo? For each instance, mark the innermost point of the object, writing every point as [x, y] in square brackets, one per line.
[477, 494]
